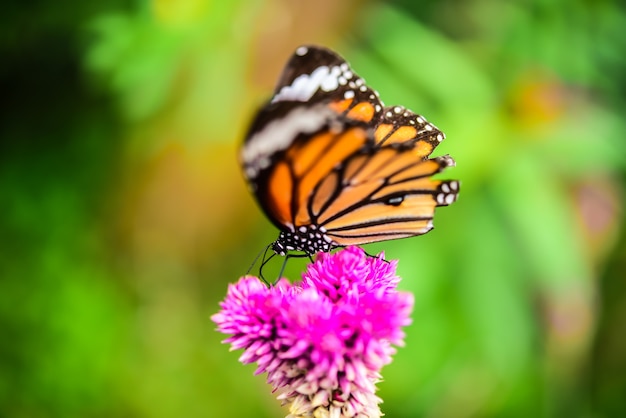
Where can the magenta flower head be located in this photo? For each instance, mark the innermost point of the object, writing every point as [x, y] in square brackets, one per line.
[322, 342]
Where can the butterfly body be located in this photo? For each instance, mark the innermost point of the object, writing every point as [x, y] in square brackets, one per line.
[331, 166]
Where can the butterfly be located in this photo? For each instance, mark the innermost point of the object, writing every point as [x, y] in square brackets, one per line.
[331, 166]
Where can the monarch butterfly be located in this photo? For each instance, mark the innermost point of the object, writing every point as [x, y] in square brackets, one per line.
[331, 166]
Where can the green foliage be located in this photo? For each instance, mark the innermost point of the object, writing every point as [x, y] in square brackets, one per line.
[124, 215]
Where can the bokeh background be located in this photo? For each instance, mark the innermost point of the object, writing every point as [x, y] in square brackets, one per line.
[124, 214]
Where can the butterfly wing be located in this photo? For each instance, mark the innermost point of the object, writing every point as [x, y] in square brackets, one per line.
[324, 152]
[317, 97]
[318, 75]
[283, 180]
[387, 190]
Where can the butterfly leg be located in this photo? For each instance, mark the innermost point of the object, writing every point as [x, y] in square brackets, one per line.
[374, 256]
[287, 257]
[282, 268]
[263, 263]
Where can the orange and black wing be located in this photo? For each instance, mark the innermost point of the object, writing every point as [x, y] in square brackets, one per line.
[284, 184]
[386, 191]
[325, 157]
[320, 107]
[317, 75]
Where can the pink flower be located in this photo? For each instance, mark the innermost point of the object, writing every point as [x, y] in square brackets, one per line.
[323, 342]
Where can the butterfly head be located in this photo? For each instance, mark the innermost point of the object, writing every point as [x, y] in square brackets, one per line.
[279, 247]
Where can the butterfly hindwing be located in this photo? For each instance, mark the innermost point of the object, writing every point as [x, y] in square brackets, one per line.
[387, 191]
[400, 205]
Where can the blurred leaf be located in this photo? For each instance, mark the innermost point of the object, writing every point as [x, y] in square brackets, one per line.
[422, 61]
[95, 323]
[141, 61]
[541, 221]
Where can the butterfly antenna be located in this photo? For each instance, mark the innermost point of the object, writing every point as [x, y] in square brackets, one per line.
[263, 251]
[282, 268]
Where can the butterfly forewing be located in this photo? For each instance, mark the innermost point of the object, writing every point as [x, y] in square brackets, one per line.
[393, 197]
[318, 75]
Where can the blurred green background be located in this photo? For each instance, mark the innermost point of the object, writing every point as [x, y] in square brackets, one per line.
[124, 214]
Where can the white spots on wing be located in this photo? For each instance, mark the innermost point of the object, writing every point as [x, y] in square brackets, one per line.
[449, 192]
[439, 137]
[278, 134]
[428, 127]
[360, 82]
[304, 86]
[301, 51]
[412, 122]
[363, 88]
[388, 114]
[378, 108]
[302, 229]
[324, 78]
[264, 162]
[331, 82]
[349, 94]
[420, 120]
[251, 172]
[447, 161]
[397, 110]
